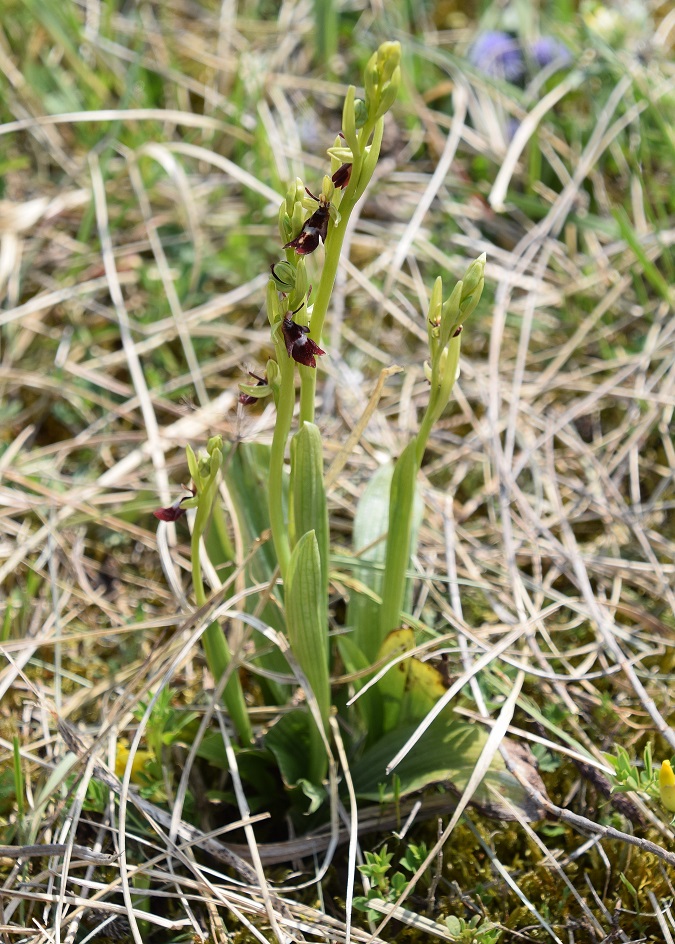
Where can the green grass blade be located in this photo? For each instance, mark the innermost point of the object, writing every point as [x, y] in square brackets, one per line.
[325, 31]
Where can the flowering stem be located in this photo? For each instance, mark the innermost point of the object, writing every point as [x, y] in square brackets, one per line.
[282, 428]
[216, 648]
[438, 400]
[362, 171]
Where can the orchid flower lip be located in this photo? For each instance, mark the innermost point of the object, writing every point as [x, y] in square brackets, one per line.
[175, 511]
[299, 346]
[314, 228]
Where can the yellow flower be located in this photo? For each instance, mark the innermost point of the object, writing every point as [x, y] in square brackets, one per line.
[137, 768]
[667, 786]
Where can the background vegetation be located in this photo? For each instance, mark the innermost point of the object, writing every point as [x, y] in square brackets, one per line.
[144, 149]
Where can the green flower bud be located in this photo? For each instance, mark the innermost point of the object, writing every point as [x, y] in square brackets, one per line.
[349, 119]
[193, 466]
[360, 113]
[285, 225]
[216, 458]
[327, 188]
[472, 287]
[371, 78]
[388, 60]
[204, 465]
[382, 79]
[284, 275]
[297, 296]
[274, 312]
[475, 274]
[273, 375]
[296, 192]
[435, 310]
[451, 316]
[215, 442]
[388, 94]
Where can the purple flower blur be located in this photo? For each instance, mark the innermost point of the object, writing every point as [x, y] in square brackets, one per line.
[499, 55]
[547, 50]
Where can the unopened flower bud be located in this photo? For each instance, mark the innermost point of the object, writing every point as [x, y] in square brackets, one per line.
[284, 222]
[360, 113]
[273, 374]
[193, 466]
[388, 95]
[274, 311]
[435, 309]
[216, 458]
[388, 60]
[472, 286]
[297, 296]
[295, 193]
[328, 188]
[204, 466]
[284, 275]
[215, 442]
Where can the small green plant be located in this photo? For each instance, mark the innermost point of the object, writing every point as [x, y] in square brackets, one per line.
[656, 784]
[474, 931]
[630, 778]
[414, 856]
[384, 887]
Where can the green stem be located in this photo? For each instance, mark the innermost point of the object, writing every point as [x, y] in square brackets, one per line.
[334, 243]
[216, 648]
[282, 428]
[423, 434]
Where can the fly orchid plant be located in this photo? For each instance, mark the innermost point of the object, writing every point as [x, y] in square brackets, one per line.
[296, 569]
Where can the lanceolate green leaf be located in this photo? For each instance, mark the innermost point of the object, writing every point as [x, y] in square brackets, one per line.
[369, 705]
[446, 753]
[308, 636]
[308, 495]
[370, 532]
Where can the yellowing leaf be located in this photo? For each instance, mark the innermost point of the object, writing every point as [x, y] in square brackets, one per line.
[425, 685]
[392, 686]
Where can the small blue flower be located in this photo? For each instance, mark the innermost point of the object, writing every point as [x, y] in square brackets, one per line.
[547, 50]
[499, 55]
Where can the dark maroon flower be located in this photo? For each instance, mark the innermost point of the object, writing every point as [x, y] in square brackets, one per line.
[313, 229]
[301, 348]
[245, 398]
[341, 176]
[175, 511]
